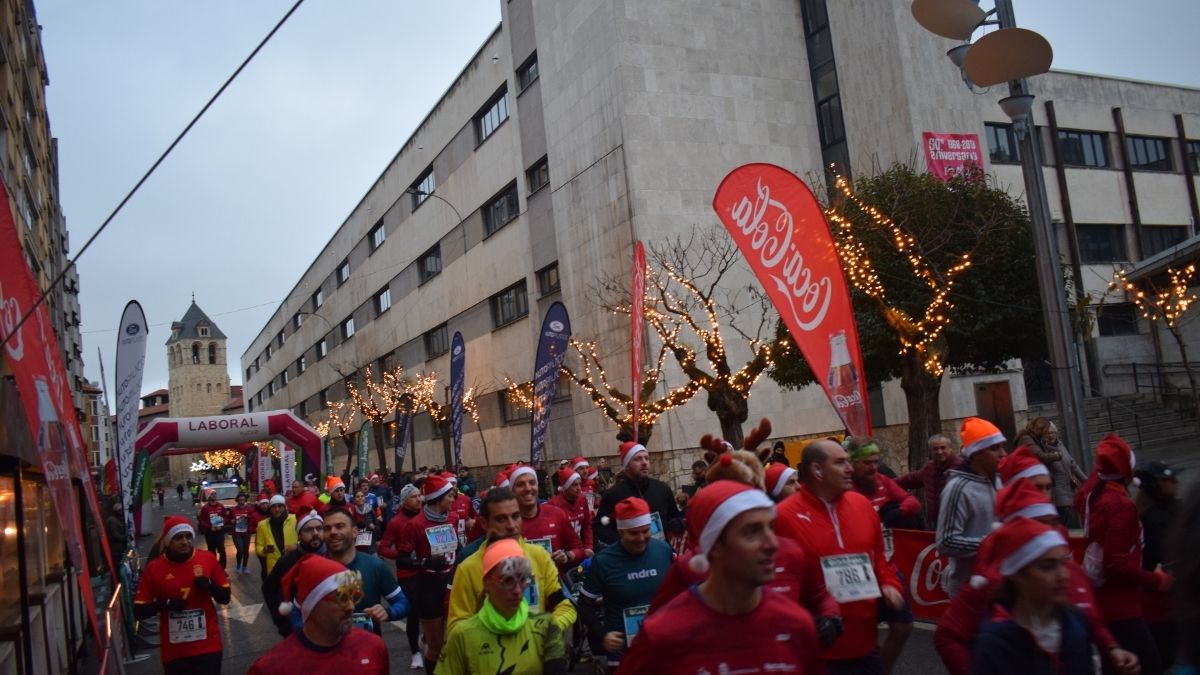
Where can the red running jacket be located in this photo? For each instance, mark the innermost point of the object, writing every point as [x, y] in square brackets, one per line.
[1113, 557]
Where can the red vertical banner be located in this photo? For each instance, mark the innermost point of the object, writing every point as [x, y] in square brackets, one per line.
[949, 155]
[637, 291]
[780, 229]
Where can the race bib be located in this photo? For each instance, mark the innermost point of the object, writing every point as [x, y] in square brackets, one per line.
[543, 542]
[889, 546]
[216, 521]
[656, 527]
[443, 540]
[591, 500]
[363, 539]
[632, 619]
[186, 626]
[850, 577]
[241, 524]
[533, 598]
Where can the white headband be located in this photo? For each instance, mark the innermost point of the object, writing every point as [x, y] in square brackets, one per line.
[981, 443]
[636, 521]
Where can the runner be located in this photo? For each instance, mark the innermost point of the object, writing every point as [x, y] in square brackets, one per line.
[335, 494]
[463, 511]
[300, 497]
[727, 623]
[212, 518]
[545, 525]
[323, 593]
[242, 516]
[571, 501]
[276, 535]
[839, 529]
[623, 578]
[410, 506]
[180, 586]
[1023, 464]
[966, 512]
[429, 545]
[782, 481]
[310, 532]
[501, 519]
[382, 600]
[503, 636]
[635, 481]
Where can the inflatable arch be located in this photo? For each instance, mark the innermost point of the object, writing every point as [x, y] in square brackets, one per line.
[185, 435]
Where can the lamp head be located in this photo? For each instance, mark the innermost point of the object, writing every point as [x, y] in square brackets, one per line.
[1019, 109]
[954, 19]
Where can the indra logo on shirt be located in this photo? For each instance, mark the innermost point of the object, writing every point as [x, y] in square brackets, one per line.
[642, 574]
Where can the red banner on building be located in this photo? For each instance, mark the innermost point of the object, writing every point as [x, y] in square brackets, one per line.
[781, 231]
[951, 154]
[34, 357]
[638, 296]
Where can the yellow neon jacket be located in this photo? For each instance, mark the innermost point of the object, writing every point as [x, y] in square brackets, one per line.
[264, 536]
[466, 590]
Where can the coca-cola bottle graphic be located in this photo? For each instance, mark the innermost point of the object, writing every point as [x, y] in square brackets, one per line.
[843, 385]
[51, 440]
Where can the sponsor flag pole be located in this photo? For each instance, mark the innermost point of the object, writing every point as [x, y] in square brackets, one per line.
[131, 361]
[779, 227]
[458, 377]
[637, 325]
[551, 350]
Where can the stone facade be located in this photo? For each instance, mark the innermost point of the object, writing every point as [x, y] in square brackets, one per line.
[197, 375]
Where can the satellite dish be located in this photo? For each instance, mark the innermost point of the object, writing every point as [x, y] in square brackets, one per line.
[954, 19]
[1007, 54]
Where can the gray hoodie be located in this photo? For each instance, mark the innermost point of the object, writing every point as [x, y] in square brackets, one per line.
[964, 519]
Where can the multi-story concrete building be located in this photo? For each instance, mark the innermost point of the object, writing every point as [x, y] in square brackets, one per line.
[97, 434]
[29, 167]
[576, 130]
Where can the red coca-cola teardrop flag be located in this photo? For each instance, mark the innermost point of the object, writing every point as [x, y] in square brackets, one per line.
[781, 230]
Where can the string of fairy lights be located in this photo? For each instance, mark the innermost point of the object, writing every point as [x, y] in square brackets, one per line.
[917, 336]
[1167, 304]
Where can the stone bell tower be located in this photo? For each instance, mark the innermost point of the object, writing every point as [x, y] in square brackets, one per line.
[197, 373]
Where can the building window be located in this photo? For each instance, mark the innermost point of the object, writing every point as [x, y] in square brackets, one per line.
[267, 354]
[297, 320]
[196, 353]
[322, 348]
[302, 410]
[387, 362]
[547, 278]
[493, 115]
[500, 211]
[249, 372]
[270, 388]
[323, 398]
[510, 304]
[279, 339]
[511, 411]
[1002, 143]
[538, 175]
[830, 121]
[1117, 319]
[1193, 155]
[422, 188]
[212, 353]
[318, 299]
[1101, 243]
[376, 236]
[527, 73]
[203, 331]
[348, 328]
[1084, 148]
[1158, 238]
[383, 301]
[343, 272]
[283, 379]
[1148, 154]
[301, 365]
[429, 265]
[437, 342]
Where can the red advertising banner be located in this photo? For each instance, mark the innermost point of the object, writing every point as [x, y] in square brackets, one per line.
[950, 154]
[34, 357]
[638, 293]
[781, 231]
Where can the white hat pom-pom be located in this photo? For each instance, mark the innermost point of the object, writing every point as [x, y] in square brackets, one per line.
[699, 563]
[996, 525]
[605, 521]
[285, 608]
[1137, 482]
[978, 581]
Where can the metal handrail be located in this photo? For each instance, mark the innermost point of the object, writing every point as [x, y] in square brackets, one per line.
[1157, 373]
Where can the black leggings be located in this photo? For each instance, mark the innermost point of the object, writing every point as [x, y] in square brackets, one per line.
[200, 664]
[241, 543]
[216, 545]
[1134, 635]
[411, 622]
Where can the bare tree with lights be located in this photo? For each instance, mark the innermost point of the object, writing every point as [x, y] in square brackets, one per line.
[376, 400]
[422, 390]
[1166, 304]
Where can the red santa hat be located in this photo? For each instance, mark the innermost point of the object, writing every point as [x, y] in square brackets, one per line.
[501, 479]
[713, 508]
[450, 477]
[628, 450]
[1018, 543]
[1020, 499]
[263, 498]
[578, 462]
[173, 525]
[1022, 463]
[778, 474]
[434, 487]
[977, 434]
[1115, 459]
[333, 483]
[632, 512]
[306, 514]
[566, 476]
[522, 470]
[311, 579]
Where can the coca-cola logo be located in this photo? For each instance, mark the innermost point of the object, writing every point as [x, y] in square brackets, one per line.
[767, 227]
[925, 582]
[847, 400]
[10, 316]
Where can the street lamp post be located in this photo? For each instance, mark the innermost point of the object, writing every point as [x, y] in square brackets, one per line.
[421, 193]
[1012, 55]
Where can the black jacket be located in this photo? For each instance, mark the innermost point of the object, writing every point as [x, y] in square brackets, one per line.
[656, 493]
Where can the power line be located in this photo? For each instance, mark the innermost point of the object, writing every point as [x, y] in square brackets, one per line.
[61, 275]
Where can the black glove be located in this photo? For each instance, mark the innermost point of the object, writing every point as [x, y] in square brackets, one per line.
[436, 563]
[828, 629]
[173, 604]
[202, 584]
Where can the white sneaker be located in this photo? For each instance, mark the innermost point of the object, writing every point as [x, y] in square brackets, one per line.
[417, 662]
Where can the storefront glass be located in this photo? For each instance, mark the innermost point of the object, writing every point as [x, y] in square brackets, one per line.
[10, 589]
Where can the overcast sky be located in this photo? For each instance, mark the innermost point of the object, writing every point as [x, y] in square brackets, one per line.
[249, 198]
